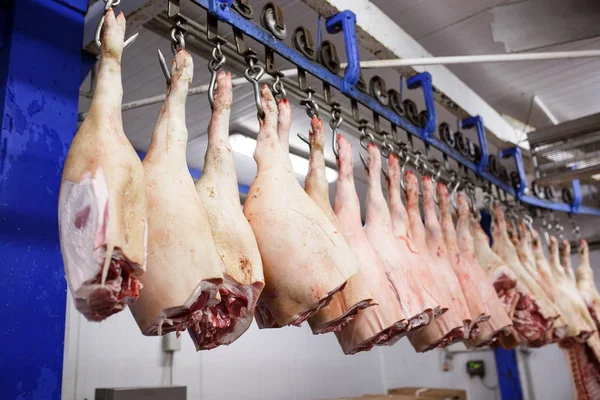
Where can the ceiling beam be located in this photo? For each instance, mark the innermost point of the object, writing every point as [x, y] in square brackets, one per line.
[386, 40]
[137, 13]
[568, 176]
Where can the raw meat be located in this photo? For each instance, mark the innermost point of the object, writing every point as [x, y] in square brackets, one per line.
[454, 325]
[102, 203]
[499, 322]
[585, 367]
[501, 277]
[304, 256]
[384, 322]
[459, 244]
[580, 325]
[543, 267]
[586, 284]
[585, 372]
[355, 296]
[534, 314]
[524, 246]
[586, 287]
[184, 269]
[218, 192]
[415, 299]
[411, 266]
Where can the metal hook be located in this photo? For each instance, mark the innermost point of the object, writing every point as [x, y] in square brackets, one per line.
[214, 66]
[454, 192]
[304, 139]
[334, 124]
[278, 89]
[108, 4]
[253, 74]
[434, 179]
[528, 220]
[164, 67]
[364, 161]
[312, 108]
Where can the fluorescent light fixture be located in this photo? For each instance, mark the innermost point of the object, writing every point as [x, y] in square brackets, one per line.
[245, 145]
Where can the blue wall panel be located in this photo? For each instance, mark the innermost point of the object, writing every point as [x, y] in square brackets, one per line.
[40, 73]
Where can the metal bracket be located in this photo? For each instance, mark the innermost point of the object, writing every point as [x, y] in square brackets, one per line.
[477, 122]
[216, 7]
[345, 21]
[423, 80]
[515, 152]
[577, 197]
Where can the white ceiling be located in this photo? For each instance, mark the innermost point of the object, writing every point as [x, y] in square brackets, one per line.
[569, 88]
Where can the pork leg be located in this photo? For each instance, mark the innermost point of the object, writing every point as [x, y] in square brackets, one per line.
[303, 254]
[219, 194]
[184, 269]
[102, 204]
[384, 322]
[429, 242]
[415, 299]
[355, 296]
[534, 314]
[499, 322]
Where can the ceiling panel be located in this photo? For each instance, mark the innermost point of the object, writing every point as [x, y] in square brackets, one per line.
[463, 27]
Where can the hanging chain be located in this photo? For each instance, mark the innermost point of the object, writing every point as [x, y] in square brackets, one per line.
[575, 230]
[108, 4]
[366, 137]
[178, 37]
[253, 74]
[178, 32]
[334, 124]
[215, 64]
[312, 108]
[278, 89]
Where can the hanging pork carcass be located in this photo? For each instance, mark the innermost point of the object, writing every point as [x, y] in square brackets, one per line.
[102, 203]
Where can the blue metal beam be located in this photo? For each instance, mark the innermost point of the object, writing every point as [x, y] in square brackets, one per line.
[222, 10]
[40, 64]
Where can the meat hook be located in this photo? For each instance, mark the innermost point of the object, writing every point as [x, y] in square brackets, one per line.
[177, 42]
[312, 110]
[576, 231]
[214, 66]
[253, 74]
[334, 124]
[434, 179]
[366, 138]
[528, 220]
[455, 189]
[108, 4]
[277, 88]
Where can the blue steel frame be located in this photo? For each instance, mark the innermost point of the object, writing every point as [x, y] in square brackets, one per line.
[345, 21]
[41, 69]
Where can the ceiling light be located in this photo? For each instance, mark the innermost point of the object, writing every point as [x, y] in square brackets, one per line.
[245, 145]
[595, 177]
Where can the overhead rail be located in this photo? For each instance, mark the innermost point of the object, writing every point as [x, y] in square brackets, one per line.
[322, 62]
[478, 59]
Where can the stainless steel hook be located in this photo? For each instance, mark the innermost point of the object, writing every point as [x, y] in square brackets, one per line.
[108, 4]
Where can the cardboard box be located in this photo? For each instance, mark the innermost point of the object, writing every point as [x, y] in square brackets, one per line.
[430, 393]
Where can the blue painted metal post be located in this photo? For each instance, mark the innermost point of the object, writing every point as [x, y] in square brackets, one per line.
[40, 75]
[506, 360]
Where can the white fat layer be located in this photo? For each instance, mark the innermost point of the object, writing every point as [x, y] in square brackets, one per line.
[82, 249]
